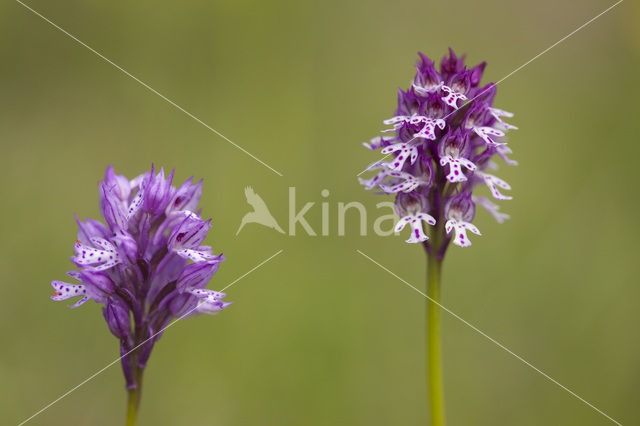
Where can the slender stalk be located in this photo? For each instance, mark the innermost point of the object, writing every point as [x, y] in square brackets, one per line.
[433, 338]
[132, 407]
[134, 399]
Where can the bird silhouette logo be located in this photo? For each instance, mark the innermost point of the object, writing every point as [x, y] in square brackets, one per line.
[260, 213]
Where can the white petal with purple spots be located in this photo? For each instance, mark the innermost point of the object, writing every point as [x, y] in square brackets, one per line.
[455, 168]
[415, 221]
[64, 291]
[494, 182]
[460, 228]
[452, 97]
[486, 132]
[95, 259]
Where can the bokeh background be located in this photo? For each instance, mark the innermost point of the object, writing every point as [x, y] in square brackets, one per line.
[320, 335]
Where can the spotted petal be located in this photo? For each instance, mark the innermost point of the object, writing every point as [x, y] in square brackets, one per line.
[460, 228]
[429, 128]
[136, 203]
[498, 114]
[407, 151]
[210, 302]
[417, 232]
[407, 183]
[455, 170]
[492, 208]
[486, 132]
[452, 97]
[202, 254]
[494, 182]
[96, 259]
[64, 291]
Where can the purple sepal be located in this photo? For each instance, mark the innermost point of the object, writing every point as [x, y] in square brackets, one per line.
[125, 361]
[460, 207]
[197, 275]
[157, 191]
[91, 228]
[145, 349]
[186, 197]
[118, 184]
[451, 64]
[117, 317]
[126, 245]
[190, 233]
[113, 210]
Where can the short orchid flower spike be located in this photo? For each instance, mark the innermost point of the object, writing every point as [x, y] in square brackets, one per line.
[438, 156]
[445, 133]
[145, 264]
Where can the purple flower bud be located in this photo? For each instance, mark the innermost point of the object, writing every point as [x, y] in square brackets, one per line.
[157, 191]
[99, 285]
[91, 229]
[125, 361]
[145, 349]
[408, 103]
[460, 82]
[197, 275]
[181, 304]
[476, 74]
[117, 318]
[190, 233]
[410, 204]
[460, 207]
[451, 65]
[434, 106]
[112, 208]
[126, 245]
[186, 197]
[118, 184]
[427, 78]
[454, 144]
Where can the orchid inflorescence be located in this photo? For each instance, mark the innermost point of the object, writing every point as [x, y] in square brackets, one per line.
[147, 265]
[442, 149]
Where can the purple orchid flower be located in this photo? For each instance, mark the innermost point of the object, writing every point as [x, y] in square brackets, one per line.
[146, 266]
[442, 148]
[445, 135]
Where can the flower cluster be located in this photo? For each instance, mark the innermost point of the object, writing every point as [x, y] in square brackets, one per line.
[147, 265]
[442, 148]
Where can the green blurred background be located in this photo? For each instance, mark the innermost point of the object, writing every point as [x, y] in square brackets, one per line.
[320, 335]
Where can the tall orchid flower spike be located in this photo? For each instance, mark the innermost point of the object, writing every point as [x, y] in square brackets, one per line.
[147, 266]
[446, 133]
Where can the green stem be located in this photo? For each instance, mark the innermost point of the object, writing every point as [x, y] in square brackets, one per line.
[132, 407]
[434, 351]
[134, 399]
